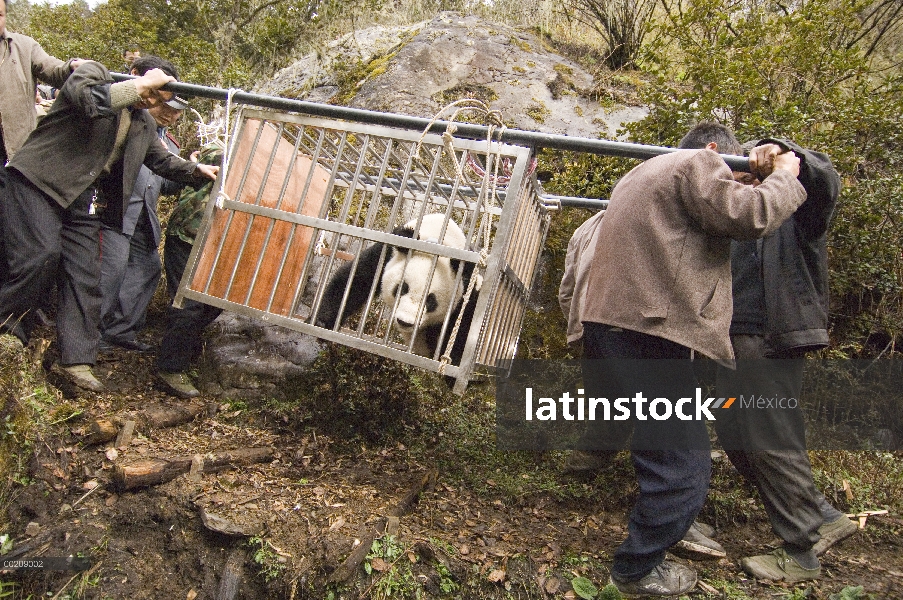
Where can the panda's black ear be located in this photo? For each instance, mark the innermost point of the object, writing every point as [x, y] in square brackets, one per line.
[404, 231]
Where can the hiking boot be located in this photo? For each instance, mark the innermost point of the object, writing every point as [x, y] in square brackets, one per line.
[177, 384]
[778, 566]
[696, 545]
[704, 528]
[834, 532]
[667, 579]
[582, 462]
[79, 376]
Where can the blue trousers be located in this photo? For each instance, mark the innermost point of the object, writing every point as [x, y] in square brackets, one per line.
[671, 458]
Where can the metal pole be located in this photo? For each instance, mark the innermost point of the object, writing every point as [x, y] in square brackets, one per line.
[574, 202]
[519, 137]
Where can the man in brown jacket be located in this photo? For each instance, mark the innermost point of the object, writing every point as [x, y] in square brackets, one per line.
[22, 63]
[660, 288]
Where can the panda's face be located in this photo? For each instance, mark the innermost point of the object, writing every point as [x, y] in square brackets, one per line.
[422, 300]
[405, 280]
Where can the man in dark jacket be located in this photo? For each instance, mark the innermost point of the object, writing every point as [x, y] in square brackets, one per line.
[82, 159]
[183, 338]
[780, 292]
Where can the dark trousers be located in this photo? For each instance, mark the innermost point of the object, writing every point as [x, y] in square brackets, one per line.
[671, 458]
[768, 446]
[130, 272]
[183, 339]
[2, 186]
[47, 244]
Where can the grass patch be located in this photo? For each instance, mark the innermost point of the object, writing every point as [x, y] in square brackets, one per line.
[351, 76]
[31, 410]
[484, 94]
[538, 111]
[514, 41]
[875, 479]
[728, 589]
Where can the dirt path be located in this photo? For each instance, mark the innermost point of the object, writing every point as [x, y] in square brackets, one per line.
[292, 522]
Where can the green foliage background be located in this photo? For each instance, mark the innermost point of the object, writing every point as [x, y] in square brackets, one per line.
[811, 71]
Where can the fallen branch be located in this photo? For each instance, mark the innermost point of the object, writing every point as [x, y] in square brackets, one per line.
[350, 565]
[126, 433]
[160, 470]
[169, 416]
[100, 431]
[155, 417]
[863, 516]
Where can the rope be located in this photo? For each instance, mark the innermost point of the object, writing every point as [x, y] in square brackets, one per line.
[496, 122]
[221, 196]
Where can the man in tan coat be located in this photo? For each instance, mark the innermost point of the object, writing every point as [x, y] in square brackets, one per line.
[22, 63]
[660, 288]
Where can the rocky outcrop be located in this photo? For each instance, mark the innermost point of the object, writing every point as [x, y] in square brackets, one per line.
[248, 358]
[419, 69]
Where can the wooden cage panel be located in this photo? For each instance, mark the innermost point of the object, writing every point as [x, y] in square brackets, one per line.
[257, 260]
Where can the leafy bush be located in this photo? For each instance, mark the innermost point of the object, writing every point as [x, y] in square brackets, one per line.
[806, 73]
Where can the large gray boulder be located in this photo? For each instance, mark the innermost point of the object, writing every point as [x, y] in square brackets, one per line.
[419, 69]
[248, 358]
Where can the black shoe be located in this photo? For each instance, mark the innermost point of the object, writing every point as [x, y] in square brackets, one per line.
[667, 579]
[134, 345]
[583, 462]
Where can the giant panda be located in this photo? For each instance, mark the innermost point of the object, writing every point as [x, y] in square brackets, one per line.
[407, 277]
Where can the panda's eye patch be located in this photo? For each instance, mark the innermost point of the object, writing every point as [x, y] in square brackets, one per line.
[431, 303]
[404, 289]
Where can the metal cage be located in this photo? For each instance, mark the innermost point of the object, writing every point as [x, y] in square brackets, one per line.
[305, 201]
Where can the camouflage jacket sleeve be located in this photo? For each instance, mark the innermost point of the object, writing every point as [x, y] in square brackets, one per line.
[186, 217]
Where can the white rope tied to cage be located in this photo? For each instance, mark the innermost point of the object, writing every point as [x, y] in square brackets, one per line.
[221, 196]
[464, 104]
[495, 122]
[445, 359]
